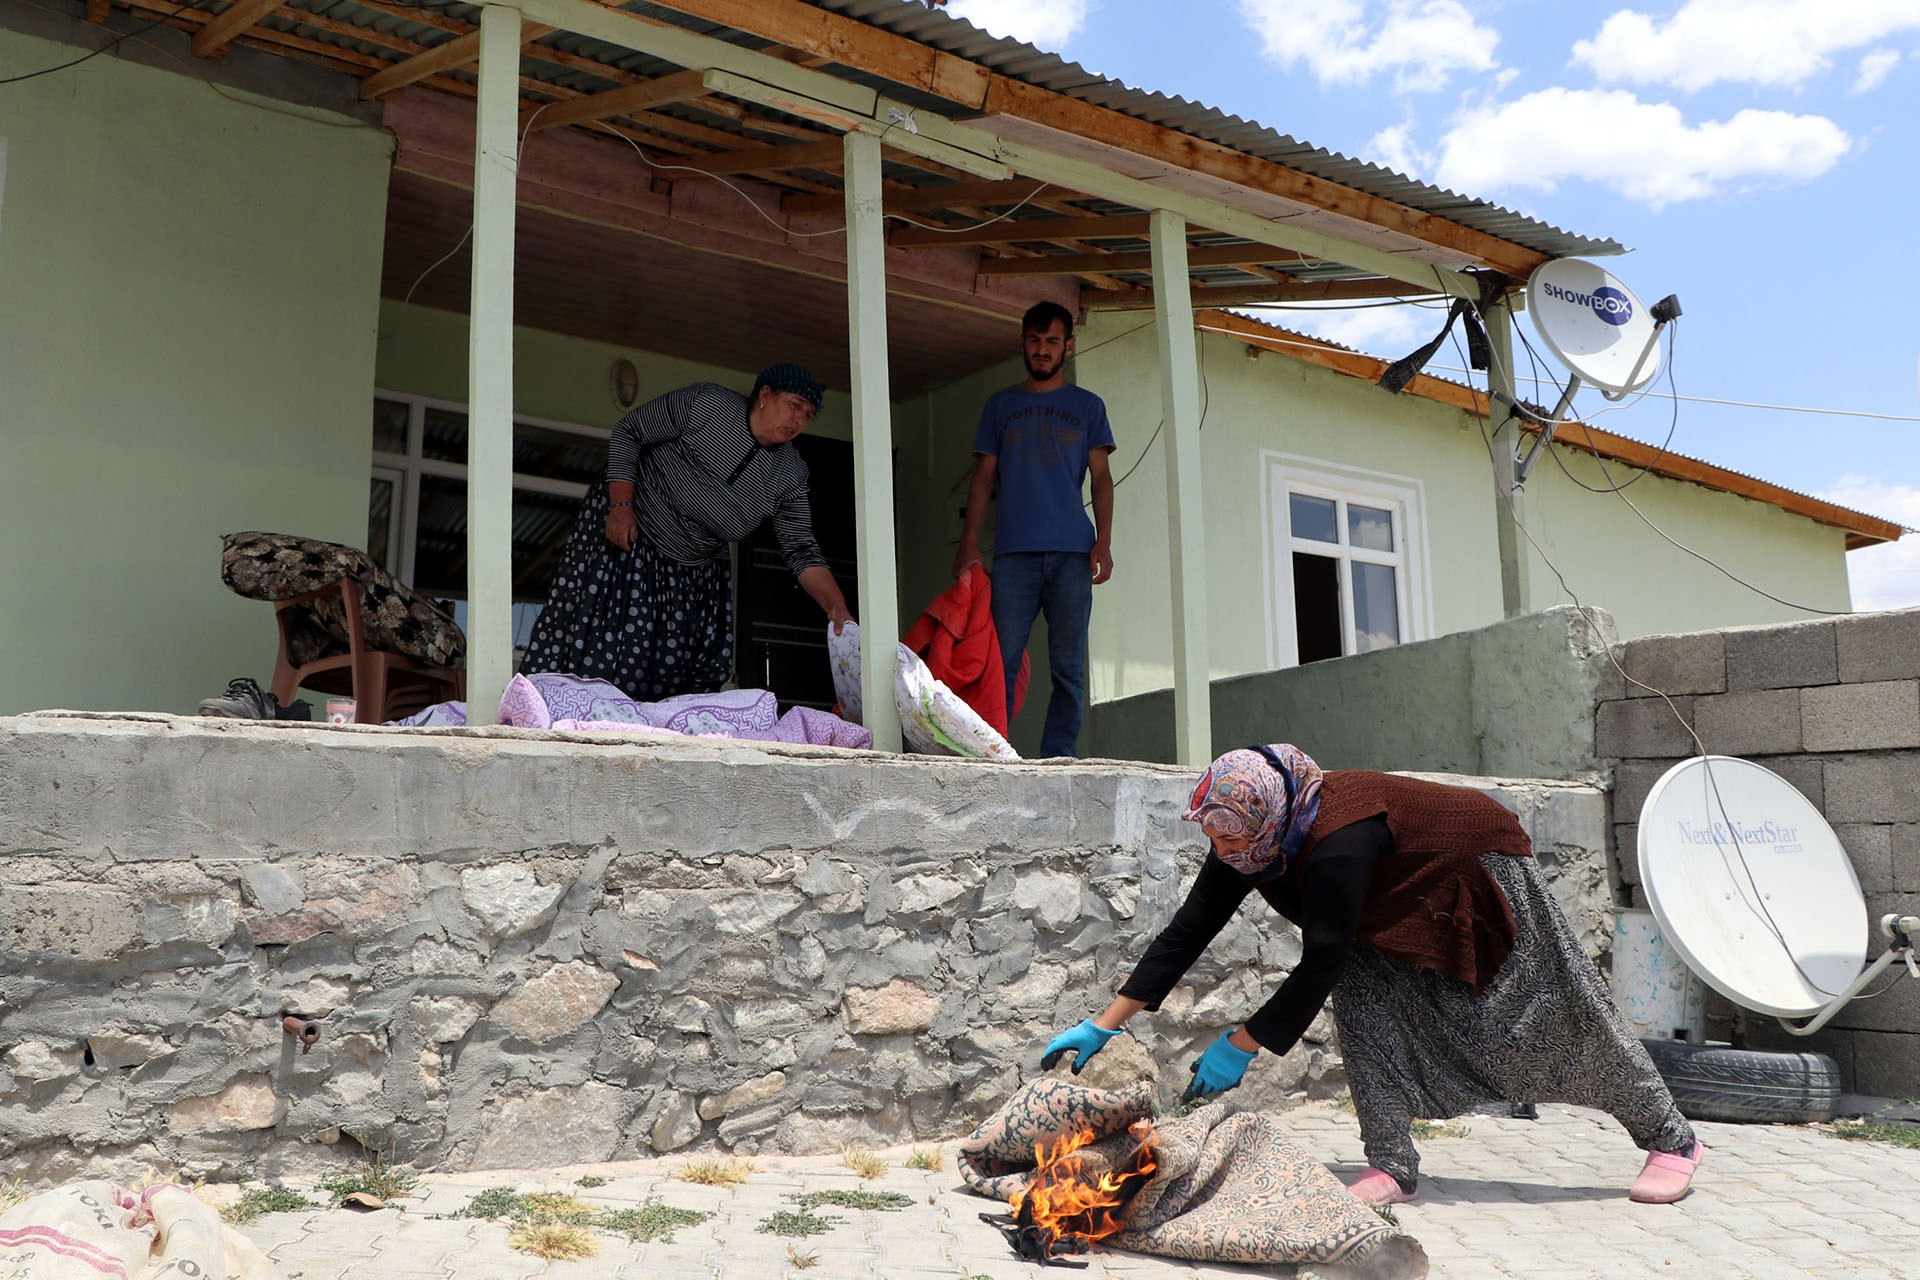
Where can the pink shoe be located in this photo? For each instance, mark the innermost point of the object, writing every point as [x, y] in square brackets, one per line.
[1666, 1176]
[1376, 1186]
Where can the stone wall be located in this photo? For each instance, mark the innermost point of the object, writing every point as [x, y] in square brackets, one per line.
[1833, 707]
[523, 948]
[1514, 699]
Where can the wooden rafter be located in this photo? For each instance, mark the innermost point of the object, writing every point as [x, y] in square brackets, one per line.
[656, 92]
[212, 40]
[1239, 295]
[947, 196]
[906, 61]
[444, 56]
[97, 11]
[1131, 226]
[807, 155]
[1067, 264]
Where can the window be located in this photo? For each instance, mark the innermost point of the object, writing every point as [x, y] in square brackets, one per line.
[417, 511]
[1347, 561]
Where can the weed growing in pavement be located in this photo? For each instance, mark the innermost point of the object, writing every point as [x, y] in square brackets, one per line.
[264, 1200]
[1386, 1212]
[802, 1259]
[554, 1241]
[862, 1162]
[494, 1202]
[811, 1200]
[381, 1178]
[651, 1221]
[1438, 1129]
[1344, 1103]
[12, 1193]
[1896, 1133]
[589, 1181]
[718, 1173]
[928, 1158]
[788, 1222]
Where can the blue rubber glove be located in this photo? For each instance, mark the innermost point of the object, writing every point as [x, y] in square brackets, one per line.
[1083, 1041]
[1220, 1068]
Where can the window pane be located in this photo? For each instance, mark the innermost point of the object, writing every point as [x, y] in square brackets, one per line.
[379, 521]
[1316, 606]
[1313, 518]
[444, 436]
[1376, 607]
[558, 455]
[1369, 527]
[390, 426]
[541, 523]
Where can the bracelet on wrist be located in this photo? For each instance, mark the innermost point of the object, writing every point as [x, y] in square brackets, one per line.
[621, 504]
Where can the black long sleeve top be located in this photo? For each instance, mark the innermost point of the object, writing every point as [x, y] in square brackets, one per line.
[1324, 896]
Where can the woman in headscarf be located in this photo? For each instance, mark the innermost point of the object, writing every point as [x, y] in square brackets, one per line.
[1456, 980]
[643, 598]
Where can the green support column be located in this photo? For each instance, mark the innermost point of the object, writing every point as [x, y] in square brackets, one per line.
[1509, 504]
[1180, 408]
[490, 369]
[872, 439]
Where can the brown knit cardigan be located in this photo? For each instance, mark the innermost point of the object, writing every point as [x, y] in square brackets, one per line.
[1432, 902]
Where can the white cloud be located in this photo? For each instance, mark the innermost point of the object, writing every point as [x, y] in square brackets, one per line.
[1646, 151]
[1377, 330]
[1048, 26]
[1423, 43]
[1395, 148]
[1886, 576]
[1781, 43]
[1875, 67]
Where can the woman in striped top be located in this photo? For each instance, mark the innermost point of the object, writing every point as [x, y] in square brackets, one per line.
[643, 598]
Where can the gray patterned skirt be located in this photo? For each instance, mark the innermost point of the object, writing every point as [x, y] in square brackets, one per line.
[1420, 1044]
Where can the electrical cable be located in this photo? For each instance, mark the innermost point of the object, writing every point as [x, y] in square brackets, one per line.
[108, 47]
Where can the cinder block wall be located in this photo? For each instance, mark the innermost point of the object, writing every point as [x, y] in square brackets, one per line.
[526, 949]
[1832, 706]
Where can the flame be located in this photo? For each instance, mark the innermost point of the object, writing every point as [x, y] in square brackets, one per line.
[1072, 1208]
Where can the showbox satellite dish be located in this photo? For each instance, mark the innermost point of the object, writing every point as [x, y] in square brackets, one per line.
[1598, 329]
[1753, 889]
[1594, 323]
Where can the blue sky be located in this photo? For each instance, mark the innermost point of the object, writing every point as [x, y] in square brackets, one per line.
[1761, 159]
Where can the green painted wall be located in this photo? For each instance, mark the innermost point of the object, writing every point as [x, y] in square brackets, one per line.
[423, 352]
[1265, 405]
[188, 281]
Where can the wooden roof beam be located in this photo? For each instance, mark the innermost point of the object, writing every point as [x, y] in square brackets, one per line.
[854, 43]
[920, 199]
[657, 92]
[444, 56]
[808, 155]
[1240, 295]
[213, 40]
[1131, 226]
[1066, 264]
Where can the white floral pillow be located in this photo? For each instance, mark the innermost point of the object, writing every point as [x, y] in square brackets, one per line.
[843, 652]
[933, 719]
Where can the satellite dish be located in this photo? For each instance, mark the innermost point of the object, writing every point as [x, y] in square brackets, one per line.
[1598, 329]
[1594, 324]
[1753, 890]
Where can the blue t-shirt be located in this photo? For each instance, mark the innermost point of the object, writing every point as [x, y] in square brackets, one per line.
[1042, 440]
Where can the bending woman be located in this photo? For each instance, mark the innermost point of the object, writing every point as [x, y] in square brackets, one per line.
[643, 598]
[1456, 980]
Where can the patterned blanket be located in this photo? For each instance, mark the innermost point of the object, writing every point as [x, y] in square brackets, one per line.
[1230, 1186]
[104, 1231]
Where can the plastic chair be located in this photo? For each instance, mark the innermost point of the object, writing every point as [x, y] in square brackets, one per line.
[384, 686]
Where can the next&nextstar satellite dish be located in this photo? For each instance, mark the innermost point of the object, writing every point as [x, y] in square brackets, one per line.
[1755, 892]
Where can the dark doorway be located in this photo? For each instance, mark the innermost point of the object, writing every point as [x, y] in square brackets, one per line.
[780, 635]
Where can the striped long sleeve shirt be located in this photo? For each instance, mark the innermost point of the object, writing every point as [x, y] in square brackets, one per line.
[702, 481]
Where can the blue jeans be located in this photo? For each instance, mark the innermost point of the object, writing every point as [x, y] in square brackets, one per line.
[1060, 585]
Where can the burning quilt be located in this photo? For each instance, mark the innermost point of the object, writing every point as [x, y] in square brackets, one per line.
[1217, 1185]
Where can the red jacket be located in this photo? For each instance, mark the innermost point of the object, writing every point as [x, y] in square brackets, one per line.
[956, 638]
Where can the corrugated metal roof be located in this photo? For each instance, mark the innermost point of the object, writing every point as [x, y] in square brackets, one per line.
[939, 30]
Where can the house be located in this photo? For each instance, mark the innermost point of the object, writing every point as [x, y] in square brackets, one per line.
[252, 275]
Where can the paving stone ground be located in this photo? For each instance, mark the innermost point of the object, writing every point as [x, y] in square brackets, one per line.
[1529, 1200]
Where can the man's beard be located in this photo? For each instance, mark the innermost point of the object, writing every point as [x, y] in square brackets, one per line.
[1036, 374]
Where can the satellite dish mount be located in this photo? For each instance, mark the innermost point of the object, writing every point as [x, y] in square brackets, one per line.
[1598, 329]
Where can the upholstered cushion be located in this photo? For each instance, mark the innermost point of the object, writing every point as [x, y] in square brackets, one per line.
[397, 619]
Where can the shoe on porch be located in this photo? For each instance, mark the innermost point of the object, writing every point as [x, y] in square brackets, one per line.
[243, 700]
[1666, 1176]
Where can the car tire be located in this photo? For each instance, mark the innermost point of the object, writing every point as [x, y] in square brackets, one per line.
[1715, 1082]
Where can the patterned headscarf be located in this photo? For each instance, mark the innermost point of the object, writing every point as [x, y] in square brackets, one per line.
[1268, 794]
[792, 379]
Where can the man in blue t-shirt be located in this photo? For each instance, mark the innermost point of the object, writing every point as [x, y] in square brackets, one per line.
[1040, 440]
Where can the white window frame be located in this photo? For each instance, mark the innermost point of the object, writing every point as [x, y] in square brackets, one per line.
[413, 464]
[1284, 474]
